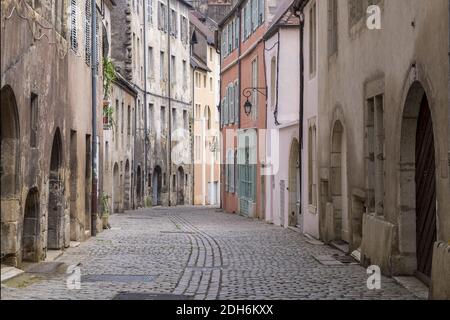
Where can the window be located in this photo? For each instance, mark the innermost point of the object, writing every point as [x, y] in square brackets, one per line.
[161, 66]
[163, 119]
[173, 73]
[273, 82]
[208, 117]
[236, 33]
[87, 32]
[254, 11]
[332, 27]
[34, 120]
[174, 119]
[312, 39]
[185, 120]
[197, 111]
[150, 116]
[204, 80]
[74, 25]
[236, 101]
[375, 142]
[184, 30]
[129, 121]
[197, 148]
[162, 17]
[173, 23]
[356, 8]
[134, 54]
[312, 166]
[210, 54]
[185, 74]
[255, 85]
[150, 11]
[151, 63]
[116, 116]
[121, 119]
[210, 84]
[230, 98]
[261, 8]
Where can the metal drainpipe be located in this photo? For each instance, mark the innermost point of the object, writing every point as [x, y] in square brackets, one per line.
[449, 82]
[94, 61]
[169, 149]
[299, 13]
[145, 104]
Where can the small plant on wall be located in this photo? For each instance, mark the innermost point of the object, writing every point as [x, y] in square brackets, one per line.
[108, 116]
[109, 75]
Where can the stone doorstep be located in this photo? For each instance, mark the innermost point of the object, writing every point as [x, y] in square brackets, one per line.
[413, 285]
[52, 255]
[9, 273]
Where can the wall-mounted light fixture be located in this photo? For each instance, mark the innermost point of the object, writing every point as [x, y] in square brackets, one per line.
[248, 93]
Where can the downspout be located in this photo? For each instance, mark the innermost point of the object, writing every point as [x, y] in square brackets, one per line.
[449, 83]
[169, 105]
[275, 113]
[219, 107]
[299, 13]
[145, 106]
[94, 61]
[193, 129]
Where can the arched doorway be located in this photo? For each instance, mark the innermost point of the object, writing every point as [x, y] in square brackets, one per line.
[418, 180]
[127, 186]
[30, 231]
[156, 184]
[294, 184]
[9, 172]
[338, 177]
[139, 186]
[116, 188]
[180, 186]
[55, 219]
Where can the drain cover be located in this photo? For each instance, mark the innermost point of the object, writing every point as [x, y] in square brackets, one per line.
[45, 267]
[178, 232]
[126, 278]
[345, 259]
[149, 296]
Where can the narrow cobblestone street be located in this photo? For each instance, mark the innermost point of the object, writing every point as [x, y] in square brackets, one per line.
[199, 253]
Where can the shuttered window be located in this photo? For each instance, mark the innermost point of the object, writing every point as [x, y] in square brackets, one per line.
[231, 99]
[74, 25]
[254, 11]
[236, 101]
[261, 9]
[225, 120]
[87, 31]
[150, 11]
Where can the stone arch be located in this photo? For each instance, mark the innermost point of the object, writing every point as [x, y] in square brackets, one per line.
[31, 227]
[294, 183]
[418, 181]
[9, 172]
[180, 186]
[157, 185]
[55, 233]
[127, 185]
[116, 188]
[341, 221]
[139, 186]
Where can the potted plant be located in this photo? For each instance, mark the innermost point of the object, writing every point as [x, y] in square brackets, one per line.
[105, 211]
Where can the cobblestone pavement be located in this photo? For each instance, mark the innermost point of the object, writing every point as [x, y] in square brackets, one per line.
[201, 253]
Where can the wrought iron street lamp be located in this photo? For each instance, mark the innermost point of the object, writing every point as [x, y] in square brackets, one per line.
[248, 93]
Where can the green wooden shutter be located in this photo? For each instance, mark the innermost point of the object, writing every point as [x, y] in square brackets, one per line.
[231, 99]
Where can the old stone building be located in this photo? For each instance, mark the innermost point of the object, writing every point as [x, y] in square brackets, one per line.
[119, 137]
[150, 48]
[381, 132]
[205, 64]
[46, 128]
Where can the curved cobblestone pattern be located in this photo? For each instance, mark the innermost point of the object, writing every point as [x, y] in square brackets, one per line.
[202, 254]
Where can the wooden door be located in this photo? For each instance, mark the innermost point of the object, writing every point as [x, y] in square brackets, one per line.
[425, 190]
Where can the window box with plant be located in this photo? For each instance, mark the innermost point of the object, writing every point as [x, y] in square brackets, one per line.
[109, 75]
